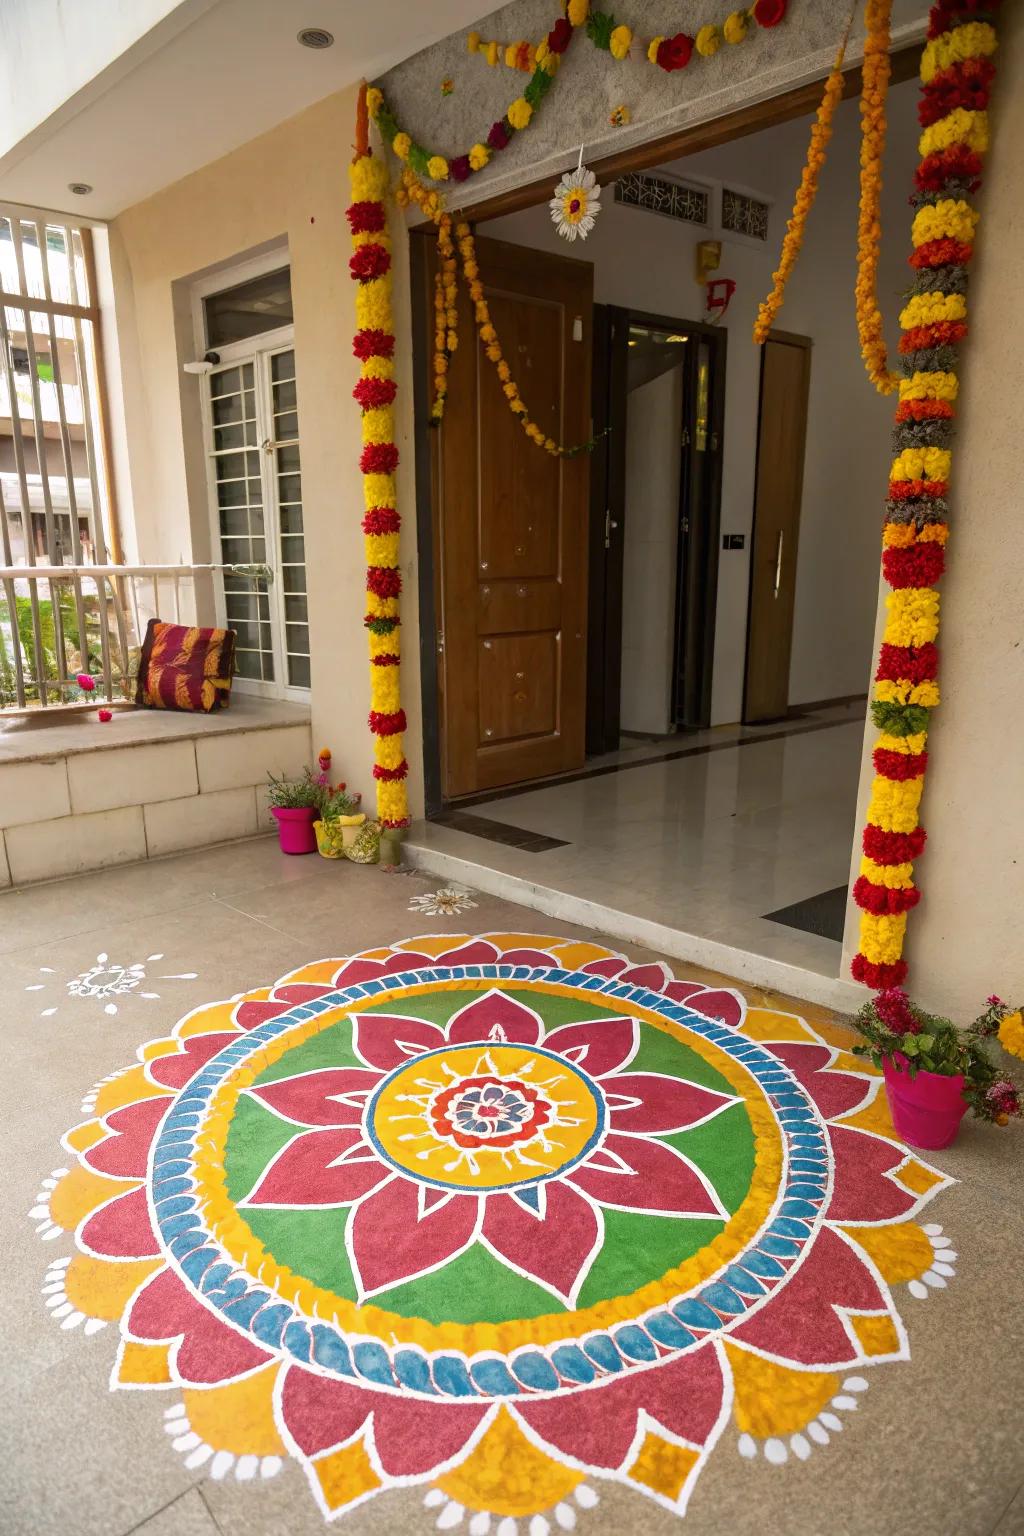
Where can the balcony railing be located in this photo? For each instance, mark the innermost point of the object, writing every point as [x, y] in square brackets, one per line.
[57, 621]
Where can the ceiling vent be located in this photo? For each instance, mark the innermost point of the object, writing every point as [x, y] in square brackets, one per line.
[315, 37]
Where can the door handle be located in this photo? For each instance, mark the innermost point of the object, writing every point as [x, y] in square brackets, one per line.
[609, 524]
[778, 565]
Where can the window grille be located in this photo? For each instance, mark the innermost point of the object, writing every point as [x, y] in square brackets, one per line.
[744, 215]
[51, 507]
[660, 194]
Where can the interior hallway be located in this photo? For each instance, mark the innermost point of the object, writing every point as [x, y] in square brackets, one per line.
[707, 832]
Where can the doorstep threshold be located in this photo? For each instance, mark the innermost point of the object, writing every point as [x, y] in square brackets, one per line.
[778, 976]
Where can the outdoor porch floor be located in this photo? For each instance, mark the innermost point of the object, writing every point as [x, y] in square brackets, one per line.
[936, 1447]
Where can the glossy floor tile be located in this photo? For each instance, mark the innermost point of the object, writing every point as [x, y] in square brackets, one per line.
[708, 838]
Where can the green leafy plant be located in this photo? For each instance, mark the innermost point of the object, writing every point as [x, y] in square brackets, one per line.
[304, 793]
[897, 1030]
[339, 801]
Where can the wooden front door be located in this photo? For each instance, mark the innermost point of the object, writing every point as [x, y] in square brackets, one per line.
[782, 432]
[512, 530]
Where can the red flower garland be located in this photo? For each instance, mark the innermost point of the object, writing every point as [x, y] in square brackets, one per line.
[919, 565]
[942, 253]
[374, 392]
[893, 847]
[942, 333]
[899, 765]
[369, 261]
[918, 664]
[955, 163]
[366, 218]
[675, 52]
[379, 459]
[383, 581]
[381, 520]
[964, 85]
[369, 343]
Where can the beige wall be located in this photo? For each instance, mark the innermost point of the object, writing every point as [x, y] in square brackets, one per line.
[289, 185]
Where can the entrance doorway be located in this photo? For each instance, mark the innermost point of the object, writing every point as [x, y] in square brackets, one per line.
[781, 449]
[659, 391]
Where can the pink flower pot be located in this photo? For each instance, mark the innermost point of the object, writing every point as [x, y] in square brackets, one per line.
[926, 1109]
[295, 828]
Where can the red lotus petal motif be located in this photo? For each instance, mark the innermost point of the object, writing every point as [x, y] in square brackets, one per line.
[329, 1167]
[599, 1046]
[334, 1096]
[649, 1104]
[862, 1192]
[608, 967]
[176, 1071]
[639, 1175]
[683, 1395]
[412, 1436]
[124, 1154]
[371, 970]
[834, 1093]
[392, 1236]
[528, 957]
[679, 991]
[653, 976]
[121, 1229]
[388, 1040]
[802, 1323]
[477, 952]
[210, 1351]
[556, 1247]
[494, 1016]
[719, 1003]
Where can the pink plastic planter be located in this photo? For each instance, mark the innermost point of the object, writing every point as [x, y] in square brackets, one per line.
[295, 828]
[926, 1109]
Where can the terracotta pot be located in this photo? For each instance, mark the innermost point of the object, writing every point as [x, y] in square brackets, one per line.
[295, 828]
[927, 1108]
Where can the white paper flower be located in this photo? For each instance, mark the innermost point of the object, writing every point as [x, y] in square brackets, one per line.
[576, 204]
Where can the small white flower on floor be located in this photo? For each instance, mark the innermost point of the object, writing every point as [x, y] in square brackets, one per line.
[446, 902]
[106, 980]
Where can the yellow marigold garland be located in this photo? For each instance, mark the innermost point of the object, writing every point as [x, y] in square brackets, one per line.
[956, 76]
[875, 86]
[807, 191]
[374, 343]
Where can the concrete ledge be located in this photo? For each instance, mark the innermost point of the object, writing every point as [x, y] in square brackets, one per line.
[178, 781]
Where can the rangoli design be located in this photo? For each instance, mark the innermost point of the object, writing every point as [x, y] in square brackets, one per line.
[501, 1216]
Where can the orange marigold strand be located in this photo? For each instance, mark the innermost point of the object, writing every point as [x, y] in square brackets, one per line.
[875, 76]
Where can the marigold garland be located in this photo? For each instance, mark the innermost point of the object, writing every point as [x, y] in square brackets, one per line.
[374, 345]
[807, 191]
[956, 75]
[547, 58]
[412, 190]
[874, 89]
[675, 53]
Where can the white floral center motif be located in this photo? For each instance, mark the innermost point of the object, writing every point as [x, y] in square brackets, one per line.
[105, 980]
[445, 902]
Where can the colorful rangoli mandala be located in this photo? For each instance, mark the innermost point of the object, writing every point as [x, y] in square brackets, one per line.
[498, 1216]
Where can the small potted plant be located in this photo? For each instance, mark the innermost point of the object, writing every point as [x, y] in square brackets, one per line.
[295, 805]
[339, 821]
[934, 1072]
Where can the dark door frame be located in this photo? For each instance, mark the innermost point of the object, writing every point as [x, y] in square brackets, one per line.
[697, 550]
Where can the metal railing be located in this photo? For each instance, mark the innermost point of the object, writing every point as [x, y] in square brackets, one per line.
[58, 621]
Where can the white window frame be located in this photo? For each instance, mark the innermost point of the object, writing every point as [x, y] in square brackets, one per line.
[258, 350]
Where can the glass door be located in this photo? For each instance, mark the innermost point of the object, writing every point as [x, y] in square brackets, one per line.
[256, 501]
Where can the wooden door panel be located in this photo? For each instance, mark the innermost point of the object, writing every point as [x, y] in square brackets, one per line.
[511, 606]
[782, 432]
[512, 530]
[518, 481]
[518, 687]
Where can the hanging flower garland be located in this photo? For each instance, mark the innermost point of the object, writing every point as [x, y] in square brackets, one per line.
[674, 53]
[519, 115]
[412, 190]
[806, 193]
[956, 74]
[374, 345]
[874, 89]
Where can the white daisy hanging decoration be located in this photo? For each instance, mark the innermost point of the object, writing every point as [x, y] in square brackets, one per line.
[576, 203]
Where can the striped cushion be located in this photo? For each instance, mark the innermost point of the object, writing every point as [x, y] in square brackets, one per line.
[182, 667]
